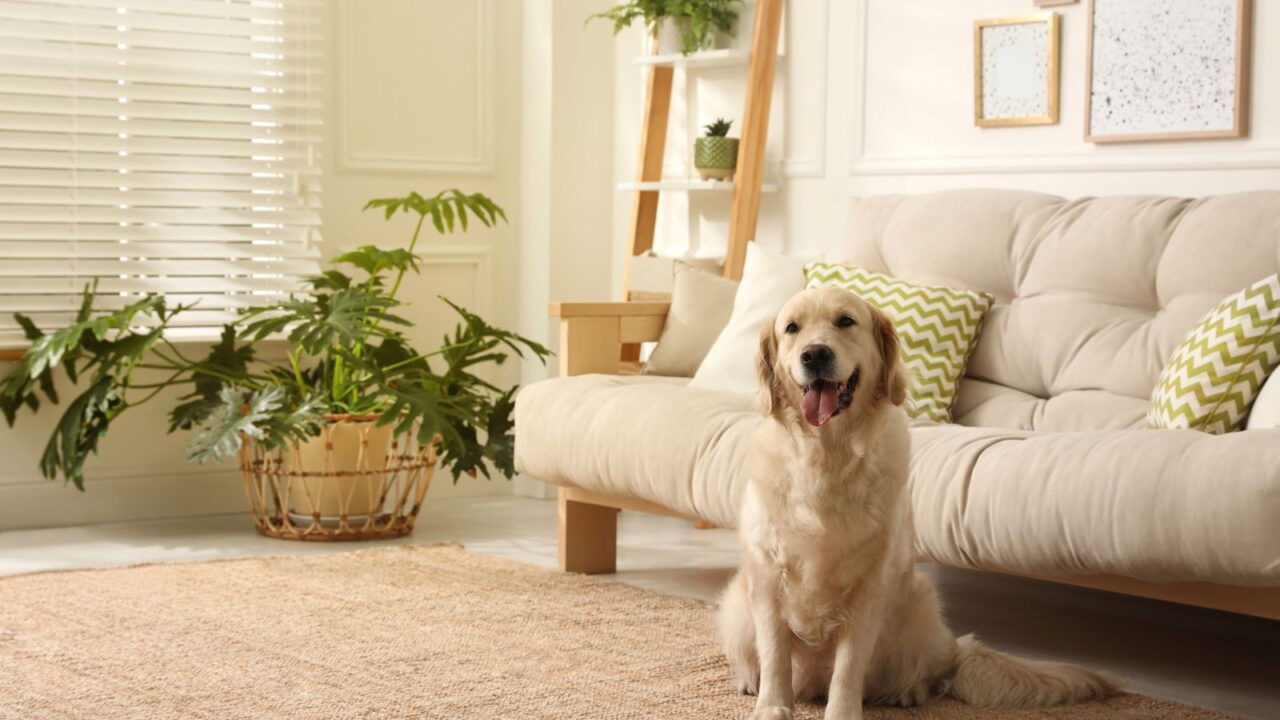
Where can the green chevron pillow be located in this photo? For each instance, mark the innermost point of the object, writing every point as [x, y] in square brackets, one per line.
[937, 327]
[1215, 374]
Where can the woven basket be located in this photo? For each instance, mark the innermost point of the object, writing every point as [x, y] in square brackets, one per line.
[352, 482]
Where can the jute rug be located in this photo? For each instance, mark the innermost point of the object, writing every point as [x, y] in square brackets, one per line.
[408, 632]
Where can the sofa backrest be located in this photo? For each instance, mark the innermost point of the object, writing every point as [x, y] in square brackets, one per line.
[1092, 295]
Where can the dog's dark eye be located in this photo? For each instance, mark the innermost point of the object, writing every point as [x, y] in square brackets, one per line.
[792, 328]
[845, 321]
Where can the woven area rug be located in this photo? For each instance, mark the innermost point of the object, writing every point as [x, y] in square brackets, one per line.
[407, 632]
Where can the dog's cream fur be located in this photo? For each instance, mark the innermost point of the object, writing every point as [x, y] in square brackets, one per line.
[827, 602]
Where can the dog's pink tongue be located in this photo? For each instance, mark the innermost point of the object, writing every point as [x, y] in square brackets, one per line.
[819, 404]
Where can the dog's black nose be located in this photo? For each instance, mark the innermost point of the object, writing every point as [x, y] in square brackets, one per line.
[815, 356]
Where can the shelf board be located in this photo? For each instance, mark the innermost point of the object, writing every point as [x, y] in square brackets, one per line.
[700, 59]
[678, 185]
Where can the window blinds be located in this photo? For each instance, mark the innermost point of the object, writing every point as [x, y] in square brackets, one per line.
[157, 146]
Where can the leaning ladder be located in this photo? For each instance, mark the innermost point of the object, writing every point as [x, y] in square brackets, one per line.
[749, 176]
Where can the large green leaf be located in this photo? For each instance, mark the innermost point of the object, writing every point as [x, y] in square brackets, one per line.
[82, 425]
[375, 261]
[226, 363]
[236, 415]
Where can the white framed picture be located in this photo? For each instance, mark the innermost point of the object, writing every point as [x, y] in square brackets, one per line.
[1167, 70]
[1015, 70]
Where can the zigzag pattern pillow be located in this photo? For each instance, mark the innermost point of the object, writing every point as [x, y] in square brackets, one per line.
[938, 328]
[1214, 376]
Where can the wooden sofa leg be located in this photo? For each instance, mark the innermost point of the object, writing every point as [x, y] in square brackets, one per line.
[588, 536]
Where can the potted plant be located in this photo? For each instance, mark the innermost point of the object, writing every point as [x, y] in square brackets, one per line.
[680, 26]
[715, 155]
[339, 434]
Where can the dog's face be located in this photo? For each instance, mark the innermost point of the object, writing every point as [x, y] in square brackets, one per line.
[826, 351]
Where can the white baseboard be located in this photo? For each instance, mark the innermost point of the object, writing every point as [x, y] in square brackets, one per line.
[54, 504]
[525, 486]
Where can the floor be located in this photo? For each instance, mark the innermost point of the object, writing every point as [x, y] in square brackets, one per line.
[1226, 662]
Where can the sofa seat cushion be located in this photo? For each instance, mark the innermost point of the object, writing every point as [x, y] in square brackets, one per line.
[1159, 505]
[1172, 505]
[984, 404]
[645, 437]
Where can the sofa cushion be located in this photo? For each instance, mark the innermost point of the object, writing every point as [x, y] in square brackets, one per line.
[1092, 295]
[1159, 505]
[1150, 504]
[701, 304]
[1265, 412]
[984, 404]
[1213, 377]
[769, 279]
[937, 327]
[644, 437]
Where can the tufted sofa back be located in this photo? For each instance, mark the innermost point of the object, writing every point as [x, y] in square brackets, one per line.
[1092, 295]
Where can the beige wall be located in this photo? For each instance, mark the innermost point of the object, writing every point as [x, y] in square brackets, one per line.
[425, 95]
[420, 95]
[566, 171]
[876, 97]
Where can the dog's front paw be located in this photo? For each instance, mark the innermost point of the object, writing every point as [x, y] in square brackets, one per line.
[771, 713]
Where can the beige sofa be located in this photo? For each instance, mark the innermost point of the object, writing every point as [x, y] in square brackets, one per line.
[1047, 470]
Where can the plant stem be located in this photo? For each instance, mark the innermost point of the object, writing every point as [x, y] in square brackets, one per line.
[151, 394]
[295, 359]
[413, 242]
[198, 367]
[175, 350]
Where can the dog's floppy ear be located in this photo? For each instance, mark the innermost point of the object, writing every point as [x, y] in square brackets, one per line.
[766, 360]
[893, 375]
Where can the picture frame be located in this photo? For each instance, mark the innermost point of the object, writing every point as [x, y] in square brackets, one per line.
[1016, 70]
[1133, 92]
[1055, 3]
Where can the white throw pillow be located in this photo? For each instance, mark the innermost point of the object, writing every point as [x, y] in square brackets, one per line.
[1266, 407]
[769, 279]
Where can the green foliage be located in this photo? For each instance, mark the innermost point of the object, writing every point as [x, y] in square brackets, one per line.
[236, 415]
[624, 14]
[705, 17]
[375, 261]
[347, 353]
[719, 128]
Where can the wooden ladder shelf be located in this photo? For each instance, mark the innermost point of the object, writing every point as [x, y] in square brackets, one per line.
[749, 176]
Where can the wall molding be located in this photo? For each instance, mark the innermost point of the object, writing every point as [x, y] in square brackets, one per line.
[478, 257]
[111, 496]
[812, 167]
[1259, 158]
[351, 160]
[1086, 159]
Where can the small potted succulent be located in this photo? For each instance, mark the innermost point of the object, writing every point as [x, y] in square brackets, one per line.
[680, 26]
[339, 430]
[715, 155]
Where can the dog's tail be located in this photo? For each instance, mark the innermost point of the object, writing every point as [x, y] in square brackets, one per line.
[987, 678]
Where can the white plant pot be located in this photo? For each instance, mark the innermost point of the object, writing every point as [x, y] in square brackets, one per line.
[670, 35]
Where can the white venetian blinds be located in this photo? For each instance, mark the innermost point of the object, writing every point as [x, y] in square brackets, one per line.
[158, 146]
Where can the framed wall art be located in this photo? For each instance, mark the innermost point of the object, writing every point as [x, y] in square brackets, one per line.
[1167, 70]
[1015, 70]
[1052, 3]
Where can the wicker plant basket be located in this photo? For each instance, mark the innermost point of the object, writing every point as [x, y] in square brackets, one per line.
[352, 482]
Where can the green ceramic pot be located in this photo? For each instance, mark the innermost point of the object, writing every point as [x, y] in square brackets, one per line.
[715, 157]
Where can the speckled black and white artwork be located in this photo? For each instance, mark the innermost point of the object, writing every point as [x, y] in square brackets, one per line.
[1015, 71]
[1163, 66]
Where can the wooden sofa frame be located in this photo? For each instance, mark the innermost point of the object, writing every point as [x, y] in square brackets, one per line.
[592, 340]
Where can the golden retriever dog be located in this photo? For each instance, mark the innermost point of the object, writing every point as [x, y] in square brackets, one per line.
[827, 602]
